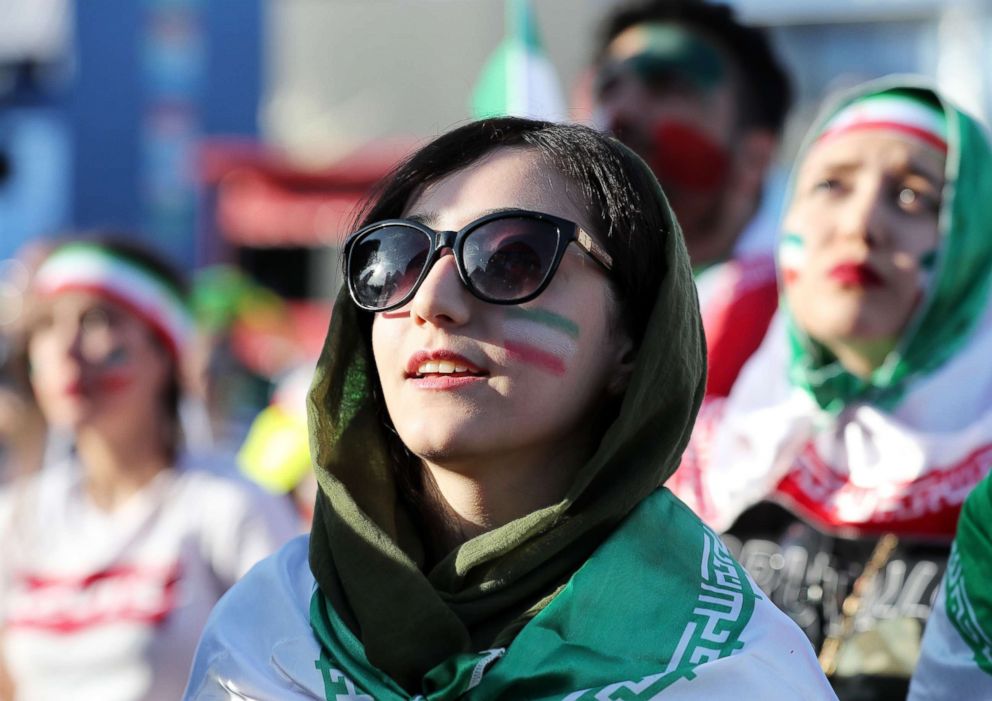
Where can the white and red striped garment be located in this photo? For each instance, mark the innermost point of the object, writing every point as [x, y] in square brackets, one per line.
[109, 606]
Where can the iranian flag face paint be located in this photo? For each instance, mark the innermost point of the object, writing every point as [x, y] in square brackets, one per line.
[540, 338]
[791, 257]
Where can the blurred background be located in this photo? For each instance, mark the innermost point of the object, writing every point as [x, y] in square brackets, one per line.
[244, 132]
[217, 128]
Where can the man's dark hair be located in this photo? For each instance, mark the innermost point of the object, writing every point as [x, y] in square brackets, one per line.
[765, 94]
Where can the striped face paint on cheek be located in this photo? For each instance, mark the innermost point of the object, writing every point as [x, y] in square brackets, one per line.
[928, 266]
[540, 338]
[791, 257]
[115, 371]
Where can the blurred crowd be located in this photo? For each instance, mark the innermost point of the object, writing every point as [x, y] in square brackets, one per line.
[147, 463]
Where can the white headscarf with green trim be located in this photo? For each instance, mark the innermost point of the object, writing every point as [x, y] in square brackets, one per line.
[896, 452]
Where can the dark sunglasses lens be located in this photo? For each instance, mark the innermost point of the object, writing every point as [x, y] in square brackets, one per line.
[384, 265]
[508, 259]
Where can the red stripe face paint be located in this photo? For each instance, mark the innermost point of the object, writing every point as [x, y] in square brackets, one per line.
[531, 355]
[540, 338]
[686, 158]
[791, 257]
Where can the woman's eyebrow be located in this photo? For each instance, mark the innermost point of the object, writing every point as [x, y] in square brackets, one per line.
[497, 210]
[432, 218]
[427, 218]
[925, 169]
[839, 167]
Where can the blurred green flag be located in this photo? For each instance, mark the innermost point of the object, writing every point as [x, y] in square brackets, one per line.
[518, 79]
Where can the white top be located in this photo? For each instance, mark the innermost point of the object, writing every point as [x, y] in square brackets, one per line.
[947, 670]
[109, 605]
[259, 645]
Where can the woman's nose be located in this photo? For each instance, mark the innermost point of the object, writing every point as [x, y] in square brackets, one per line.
[73, 339]
[442, 299]
[864, 217]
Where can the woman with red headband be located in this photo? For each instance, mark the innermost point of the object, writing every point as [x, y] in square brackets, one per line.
[839, 463]
[114, 555]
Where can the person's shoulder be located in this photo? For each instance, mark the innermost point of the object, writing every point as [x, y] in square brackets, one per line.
[278, 587]
[716, 627]
[770, 647]
[774, 645]
[26, 495]
[258, 620]
[16, 489]
[237, 522]
[217, 483]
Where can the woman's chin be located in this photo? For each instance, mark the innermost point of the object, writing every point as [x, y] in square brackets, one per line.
[860, 327]
[445, 453]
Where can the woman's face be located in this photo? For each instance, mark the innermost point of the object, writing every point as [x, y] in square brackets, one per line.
[95, 365]
[532, 375]
[857, 236]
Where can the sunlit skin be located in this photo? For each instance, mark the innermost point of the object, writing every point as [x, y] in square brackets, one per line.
[506, 439]
[99, 373]
[634, 108]
[866, 208]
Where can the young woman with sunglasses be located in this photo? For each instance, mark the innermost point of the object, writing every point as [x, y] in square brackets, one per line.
[113, 555]
[840, 460]
[512, 377]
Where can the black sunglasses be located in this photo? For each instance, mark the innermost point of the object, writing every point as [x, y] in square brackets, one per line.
[504, 258]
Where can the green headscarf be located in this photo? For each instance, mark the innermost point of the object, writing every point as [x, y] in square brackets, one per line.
[366, 551]
[959, 288]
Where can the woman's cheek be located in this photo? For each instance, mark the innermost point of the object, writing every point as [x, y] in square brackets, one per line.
[540, 338]
[792, 257]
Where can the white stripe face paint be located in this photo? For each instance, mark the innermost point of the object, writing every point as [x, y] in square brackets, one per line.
[540, 338]
[791, 256]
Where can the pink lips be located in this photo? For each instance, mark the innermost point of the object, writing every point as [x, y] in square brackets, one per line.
[99, 383]
[448, 380]
[851, 274]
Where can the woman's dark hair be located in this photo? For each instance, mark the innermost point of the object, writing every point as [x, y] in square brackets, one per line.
[765, 93]
[142, 257]
[616, 191]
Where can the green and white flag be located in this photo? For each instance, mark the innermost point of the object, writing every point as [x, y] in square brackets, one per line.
[956, 657]
[519, 80]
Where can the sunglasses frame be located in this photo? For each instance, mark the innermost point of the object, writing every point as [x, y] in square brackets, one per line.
[568, 232]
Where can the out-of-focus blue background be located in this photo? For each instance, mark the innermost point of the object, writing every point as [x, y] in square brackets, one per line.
[208, 125]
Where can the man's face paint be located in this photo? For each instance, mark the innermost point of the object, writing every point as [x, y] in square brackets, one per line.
[686, 159]
[663, 56]
[666, 93]
[540, 338]
[114, 372]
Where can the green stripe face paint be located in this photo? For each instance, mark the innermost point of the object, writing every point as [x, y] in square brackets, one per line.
[663, 51]
[791, 257]
[540, 338]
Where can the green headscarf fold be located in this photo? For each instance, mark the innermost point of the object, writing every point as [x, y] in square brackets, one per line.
[366, 552]
[963, 269]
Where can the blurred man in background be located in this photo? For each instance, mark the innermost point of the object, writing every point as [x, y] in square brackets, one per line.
[702, 99]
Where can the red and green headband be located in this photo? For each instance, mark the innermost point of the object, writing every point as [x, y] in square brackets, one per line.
[93, 268]
[890, 111]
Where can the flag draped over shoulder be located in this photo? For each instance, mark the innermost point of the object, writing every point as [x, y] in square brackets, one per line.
[518, 79]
